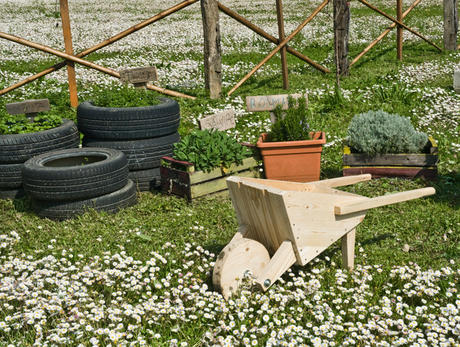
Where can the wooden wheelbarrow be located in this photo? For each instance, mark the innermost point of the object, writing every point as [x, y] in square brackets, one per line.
[293, 223]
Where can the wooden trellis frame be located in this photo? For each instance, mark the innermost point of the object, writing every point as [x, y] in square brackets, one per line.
[281, 45]
[397, 22]
[78, 57]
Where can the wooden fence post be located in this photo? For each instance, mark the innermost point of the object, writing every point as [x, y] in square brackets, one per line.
[64, 7]
[399, 30]
[212, 48]
[341, 26]
[450, 25]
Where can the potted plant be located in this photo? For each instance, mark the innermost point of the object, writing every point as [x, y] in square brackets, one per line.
[387, 145]
[291, 151]
[201, 162]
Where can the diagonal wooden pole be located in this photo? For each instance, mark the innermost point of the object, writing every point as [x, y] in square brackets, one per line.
[105, 43]
[384, 33]
[64, 7]
[84, 62]
[281, 45]
[416, 33]
[269, 37]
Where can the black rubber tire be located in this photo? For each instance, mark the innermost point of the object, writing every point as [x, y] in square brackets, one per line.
[12, 193]
[142, 154]
[10, 176]
[112, 203]
[67, 175]
[18, 148]
[128, 123]
[146, 180]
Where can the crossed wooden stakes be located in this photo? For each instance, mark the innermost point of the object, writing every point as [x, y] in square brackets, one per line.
[78, 57]
[396, 22]
[281, 42]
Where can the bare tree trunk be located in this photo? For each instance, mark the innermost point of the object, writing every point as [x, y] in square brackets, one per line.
[212, 48]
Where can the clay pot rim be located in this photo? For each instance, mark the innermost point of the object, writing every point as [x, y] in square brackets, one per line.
[321, 140]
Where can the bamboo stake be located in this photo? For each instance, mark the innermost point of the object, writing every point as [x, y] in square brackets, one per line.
[83, 62]
[269, 37]
[278, 48]
[105, 43]
[399, 31]
[384, 33]
[64, 7]
[284, 67]
[399, 23]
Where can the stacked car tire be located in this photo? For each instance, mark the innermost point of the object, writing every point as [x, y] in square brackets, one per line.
[144, 134]
[65, 183]
[18, 148]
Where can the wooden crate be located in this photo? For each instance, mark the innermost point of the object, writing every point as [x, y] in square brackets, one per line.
[393, 165]
[180, 178]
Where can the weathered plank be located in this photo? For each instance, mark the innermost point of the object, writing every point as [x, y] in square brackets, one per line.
[341, 29]
[220, 121]
[28, 106]
[139, 75]
[457, 81]
[201, 176]
[269, 102]
[212, 48]
[214, 185]
[450, 24]
[390, 160]
[396, 171]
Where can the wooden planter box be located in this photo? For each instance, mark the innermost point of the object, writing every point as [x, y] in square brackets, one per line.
[393, 165]
[180, 178]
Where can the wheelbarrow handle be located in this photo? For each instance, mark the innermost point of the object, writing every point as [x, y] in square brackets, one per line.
[365, 204]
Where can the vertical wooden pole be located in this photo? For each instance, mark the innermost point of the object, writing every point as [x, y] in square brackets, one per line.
[399, 30]
[450, 25]
[212, 48]
[341, 26]
[284, 67]
[64, 7]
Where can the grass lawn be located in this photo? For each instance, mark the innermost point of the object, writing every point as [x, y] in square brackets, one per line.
[143, 276]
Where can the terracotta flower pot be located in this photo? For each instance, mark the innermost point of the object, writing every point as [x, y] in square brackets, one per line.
[297, 161]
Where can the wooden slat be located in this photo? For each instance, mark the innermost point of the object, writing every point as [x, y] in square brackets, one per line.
[214, 185]
[390, 160]
[387, 171]
[201, 176]
[358, 206]
[64, 7]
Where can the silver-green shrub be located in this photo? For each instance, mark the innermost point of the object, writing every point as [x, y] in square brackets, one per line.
[379, 132]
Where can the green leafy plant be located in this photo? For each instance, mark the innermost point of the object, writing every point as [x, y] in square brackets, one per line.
[291, 124]
[379, 132]
[118, 95]
[209, 149]
[19, 124]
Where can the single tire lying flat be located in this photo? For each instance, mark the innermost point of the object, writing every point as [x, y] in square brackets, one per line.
[17, 148]
[74, 174]
[141, 154]
[12, 193]
[128, 123]
[10, 176]
[112, 203]
[146, 180]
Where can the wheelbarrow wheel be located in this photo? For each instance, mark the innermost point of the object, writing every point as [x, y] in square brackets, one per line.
[239, 258]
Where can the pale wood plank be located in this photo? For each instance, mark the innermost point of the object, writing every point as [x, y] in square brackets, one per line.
[348, 249]
[283, 259]
[356, 206]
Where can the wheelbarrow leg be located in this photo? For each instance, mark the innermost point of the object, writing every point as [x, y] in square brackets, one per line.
[281, 261]
[348, 249]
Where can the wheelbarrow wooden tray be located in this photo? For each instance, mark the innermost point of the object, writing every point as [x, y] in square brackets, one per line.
[295, 222]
